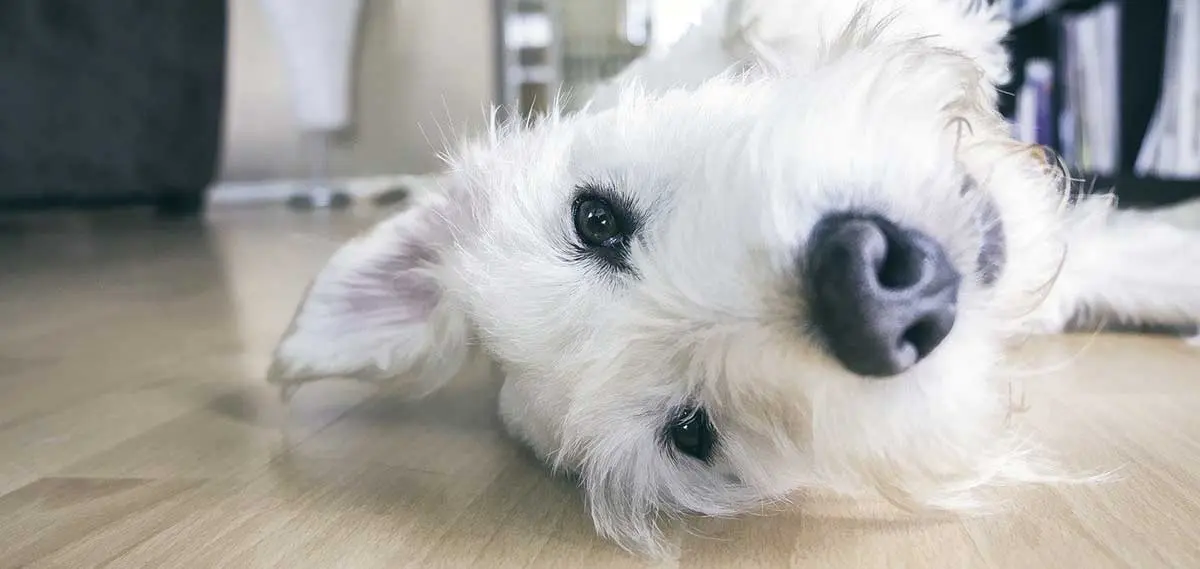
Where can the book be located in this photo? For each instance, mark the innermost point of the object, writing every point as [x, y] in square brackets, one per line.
[1090, 123]
[1171, 147]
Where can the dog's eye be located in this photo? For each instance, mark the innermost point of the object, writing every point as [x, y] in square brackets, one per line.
[692, 434]
[605, 224]
[597, 223]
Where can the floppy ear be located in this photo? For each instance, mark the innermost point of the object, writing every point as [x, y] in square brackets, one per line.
[378, 311]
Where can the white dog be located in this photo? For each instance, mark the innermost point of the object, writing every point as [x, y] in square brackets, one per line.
[786, 255]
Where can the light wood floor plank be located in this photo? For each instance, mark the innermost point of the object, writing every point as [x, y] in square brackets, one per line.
[136, 431]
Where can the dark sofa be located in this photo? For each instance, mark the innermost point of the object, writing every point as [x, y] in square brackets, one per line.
[110, 102]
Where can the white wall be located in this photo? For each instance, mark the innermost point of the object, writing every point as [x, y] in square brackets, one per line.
[592, 20]
[423, 63]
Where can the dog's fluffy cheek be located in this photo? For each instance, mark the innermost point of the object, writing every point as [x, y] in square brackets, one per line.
[932, 440]
[616, 468]
[800, 421]
[532, 413]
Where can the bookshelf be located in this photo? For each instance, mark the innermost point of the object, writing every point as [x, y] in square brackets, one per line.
[1038, 32]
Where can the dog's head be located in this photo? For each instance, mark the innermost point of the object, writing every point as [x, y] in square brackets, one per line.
[706, 300]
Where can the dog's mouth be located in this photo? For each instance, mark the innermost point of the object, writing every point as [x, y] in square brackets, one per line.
[993, 251]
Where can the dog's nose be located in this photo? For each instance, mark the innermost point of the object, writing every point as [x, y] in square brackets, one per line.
[882, 296]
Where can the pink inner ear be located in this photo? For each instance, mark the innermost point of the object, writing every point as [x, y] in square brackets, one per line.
[416, 292]
[397, 284]
[397, 288]
[375, 311]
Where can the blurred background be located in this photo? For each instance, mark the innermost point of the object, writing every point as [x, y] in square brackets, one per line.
[127, 101]
[176, 102]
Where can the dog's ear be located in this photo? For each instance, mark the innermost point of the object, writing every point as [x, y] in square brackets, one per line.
[378, 311]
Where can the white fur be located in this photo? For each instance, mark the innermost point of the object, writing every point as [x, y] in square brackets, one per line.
[818, 106]
[1130, 267]
[793, 36]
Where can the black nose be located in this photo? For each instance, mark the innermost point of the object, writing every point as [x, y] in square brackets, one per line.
[882, 296]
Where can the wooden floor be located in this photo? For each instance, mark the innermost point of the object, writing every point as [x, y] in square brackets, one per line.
[136, 431]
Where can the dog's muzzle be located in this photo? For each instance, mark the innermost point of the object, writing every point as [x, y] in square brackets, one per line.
[883, 297]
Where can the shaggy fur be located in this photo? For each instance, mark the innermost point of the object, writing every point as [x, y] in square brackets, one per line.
[730, 148]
